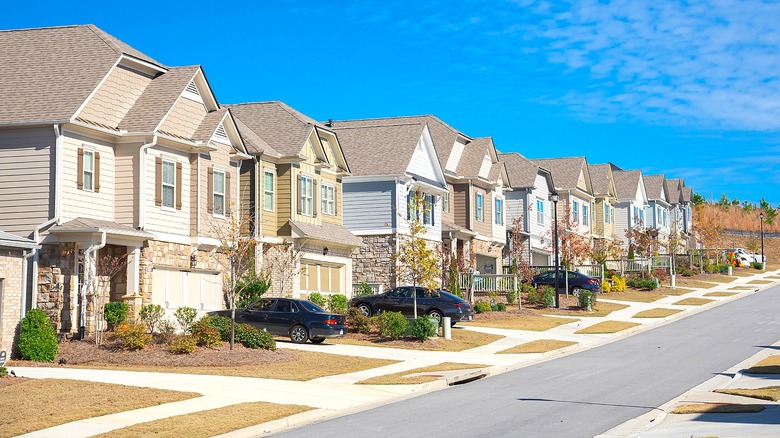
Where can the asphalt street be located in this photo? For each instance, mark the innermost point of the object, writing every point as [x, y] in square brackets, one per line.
[583, 394]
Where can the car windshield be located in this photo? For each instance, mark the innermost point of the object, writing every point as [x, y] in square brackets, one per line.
[311, 307]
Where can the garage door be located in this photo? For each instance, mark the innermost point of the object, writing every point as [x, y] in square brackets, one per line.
[321, 278]
[200, 290]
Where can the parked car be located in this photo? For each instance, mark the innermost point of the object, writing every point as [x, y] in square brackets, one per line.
[435, 303]
[577, 281]
[301, 320]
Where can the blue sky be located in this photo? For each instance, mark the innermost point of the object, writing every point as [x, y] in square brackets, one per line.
[688, 89]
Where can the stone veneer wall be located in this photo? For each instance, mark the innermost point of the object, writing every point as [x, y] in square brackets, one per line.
[57, 285]
[10, 299]
[482, 247]
[374, 261]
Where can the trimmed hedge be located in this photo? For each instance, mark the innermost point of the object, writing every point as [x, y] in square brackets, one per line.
[37, 339]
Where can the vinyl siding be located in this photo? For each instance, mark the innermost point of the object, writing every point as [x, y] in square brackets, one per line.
[329, 178]
[454, 158]
[449, 216]
[462, 205]
[126, 180]
[184, 118]
[499, 230]
[26, 185]
[115, 97]
[285, 180]
[368, 205]
[515, 207]
[622, 217]
[80, 203]
[598, 225]
[482, 227]
[211, 223]
[269, 219]
[167, 220]
[248, 195]
[433, 232]
[421, 163]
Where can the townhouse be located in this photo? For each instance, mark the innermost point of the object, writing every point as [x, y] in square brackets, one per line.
[658, 209]
[14, 254]
[631, 203]
[605, 198]
[680, 199]
[127, 158]
[296, 197]
[529, 207]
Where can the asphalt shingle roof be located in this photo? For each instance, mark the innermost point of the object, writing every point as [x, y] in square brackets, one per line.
[157, 99]
[599, 178]
[626, 183]
[329, 233]
[283, 128]
[521, 171]
[14, 241]
[83, 224]
[654, 185]
[565, 171]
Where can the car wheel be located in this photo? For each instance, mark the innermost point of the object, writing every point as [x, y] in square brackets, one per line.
[435, 314]
[299, 334]
[576, 291]
[317, 340]
[365, 309]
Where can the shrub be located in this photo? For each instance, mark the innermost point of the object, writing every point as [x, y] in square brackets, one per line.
[423, 327]
[661, 274]
[618, 283]
[183, 345]
[511, 296]
[363, 289]
[115, 313]
[251, 288]
[3, 372]
[205, 334]
[338, 303]
[318, 299]
[37, 338]
[533, 297]
[185, 316]
[644, 283]
[757, 265]
[251, 337]
[501, 307]
[167, 330]
[711, 269]
[585, 298]
[685, 272]
[358, 322]
[132, 337]
[152, 315]
[606, 286]
[482, 307]
[221, 324]
[392, 325]
[548, 296]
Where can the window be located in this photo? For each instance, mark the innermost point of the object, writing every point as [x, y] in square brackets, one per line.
[607, 214]
[641, 216]
[636, 215]
[268, 190]
[539, 212]
[89, 170]
[411, 208]
[666, 218]
[585, 216]
[480, 210]
[445, 202]
[428, 212]
[307, 196]
[499, 212]
[576, 211]
[168, 183]
[219, 193]
[328, 199]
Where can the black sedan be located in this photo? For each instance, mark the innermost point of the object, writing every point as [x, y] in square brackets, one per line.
[301, 320]
[576, 280]
[435, 303]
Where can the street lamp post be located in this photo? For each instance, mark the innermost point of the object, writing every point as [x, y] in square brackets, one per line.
[554, 199]
[763, 260]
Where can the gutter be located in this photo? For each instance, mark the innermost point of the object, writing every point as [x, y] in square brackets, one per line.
[93, 249]
[25, 255]
[142, 182]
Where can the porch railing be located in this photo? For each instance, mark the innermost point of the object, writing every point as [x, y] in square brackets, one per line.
[486, 283]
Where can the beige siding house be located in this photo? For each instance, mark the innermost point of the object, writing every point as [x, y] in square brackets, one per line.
[14, 266]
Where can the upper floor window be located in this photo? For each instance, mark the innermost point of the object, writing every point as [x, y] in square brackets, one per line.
[576, 211]
[666, 218]
[428, 210]
[306, 204]
[412, 211]
[641, 216]
[219, 193]
[636, 214]
[607, 215]
[499, 212]
[168, 183]
[445, 202]
[328, 199]
[88, 172]
[480, 208]
[585, 216]
[268, 190]
[539, 212]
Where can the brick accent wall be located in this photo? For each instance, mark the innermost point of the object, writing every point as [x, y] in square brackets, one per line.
[11, 304]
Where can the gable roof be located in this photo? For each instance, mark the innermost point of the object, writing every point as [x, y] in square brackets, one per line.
[157, 99]
[600, 178]
[627, 182]
[686, 194]
[654, 185]
[522, 171]
[34, 89]
[566, 171]
[281, 127]
[473, 155]
[674, 190]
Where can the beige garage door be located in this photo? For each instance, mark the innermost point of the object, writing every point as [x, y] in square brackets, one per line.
[321, 278]
[199, 290]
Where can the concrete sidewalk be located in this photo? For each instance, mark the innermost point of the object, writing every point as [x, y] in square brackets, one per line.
[338, 395]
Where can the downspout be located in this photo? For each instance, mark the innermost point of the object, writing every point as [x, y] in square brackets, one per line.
[25, 255]
[93, 249]
[142, 182]
[56, 219]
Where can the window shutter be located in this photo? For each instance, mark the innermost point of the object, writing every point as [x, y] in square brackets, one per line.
[433, 216]
[314, 206]
[178, 186]
[228, 192]
[300, 197]
[210, 191]
[80, 170]
[335, 199]
[409, 206]
[158, 181]
[97, 171]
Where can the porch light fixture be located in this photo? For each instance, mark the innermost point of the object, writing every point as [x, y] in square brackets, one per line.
[554, 198]
[325, 251]
[194, 259]
[763, 260]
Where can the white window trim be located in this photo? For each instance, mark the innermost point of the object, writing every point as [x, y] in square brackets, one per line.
[269, 171]
[445, 202]
[576, 211]
[585, 218]
[171, 207]
[480, 207]
[214, 192]
[324, 188]
[499, 211]
[307, 200]
[539, 212]
[91, 161]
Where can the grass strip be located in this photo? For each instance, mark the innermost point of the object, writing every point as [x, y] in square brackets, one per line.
[635, 295]
[771, 393]
[741, 288]
[720, 294]
[601, 309]
[693, 302]
[759, 282]
[461, 340]
[770, 365]
[717, 408]
[698, 284]
[657, 313]
[59, 401]
[538, 346]
[677, 292]
[516, 322]
[607, 327]
[209, 423]
[401, 379]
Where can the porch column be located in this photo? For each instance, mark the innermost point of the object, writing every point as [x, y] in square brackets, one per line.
[133, 270]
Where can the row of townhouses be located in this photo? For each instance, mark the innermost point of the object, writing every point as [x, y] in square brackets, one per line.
[105, 151]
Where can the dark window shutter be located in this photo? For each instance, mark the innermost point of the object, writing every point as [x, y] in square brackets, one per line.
[300, 197]
[178, 186]
[80, 170]
[228, 192]
[210, 191]
[97, 172]
[335, 199]
[158, 181]
[314, 206]
[409, 206]
[433, 203]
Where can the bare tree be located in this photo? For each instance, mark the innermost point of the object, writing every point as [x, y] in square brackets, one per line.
[106, 268]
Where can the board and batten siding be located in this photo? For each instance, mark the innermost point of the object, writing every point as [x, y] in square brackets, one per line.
[26, 185]
[499, 230]
[368, 206]
[126, 181]
[622, 219]
[99, 203]
[541, 235]
[433, 232]
[162, 219]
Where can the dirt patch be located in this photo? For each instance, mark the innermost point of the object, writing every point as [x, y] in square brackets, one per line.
[11, 380]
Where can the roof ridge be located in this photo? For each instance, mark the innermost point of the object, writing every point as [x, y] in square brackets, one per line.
[385, 118]
[64, 26]
[375, 126]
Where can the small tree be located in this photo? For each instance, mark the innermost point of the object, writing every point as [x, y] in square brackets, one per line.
[106, 268]
[416, 262]
[282, 261]
[640, 241]
[517, 261]
[573, 246]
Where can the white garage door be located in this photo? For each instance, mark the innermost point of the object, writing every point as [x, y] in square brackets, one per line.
[200, 290]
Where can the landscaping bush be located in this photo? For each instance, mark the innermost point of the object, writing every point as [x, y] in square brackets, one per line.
[685, 272]
[511, 296]
[548, 296]
[115, 313]
[251, 288]
[392, 325]
[185, 316]
[132, 336]
[757, 265]
[363, 289]
[606, 286]
[482, 307]
[221, 324]
[338, 303]
[423, 328]
[618, 283]
[251, 337]
[318, 299]
[644, 283]
[357, 322]
[205, 334]
[661, 274]
[37, 338]
[585, 299]
[183, 345]
[501, 307]
[3, 372]
[711, 269]
[152, 315]
[533, 297]
[167, 331]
